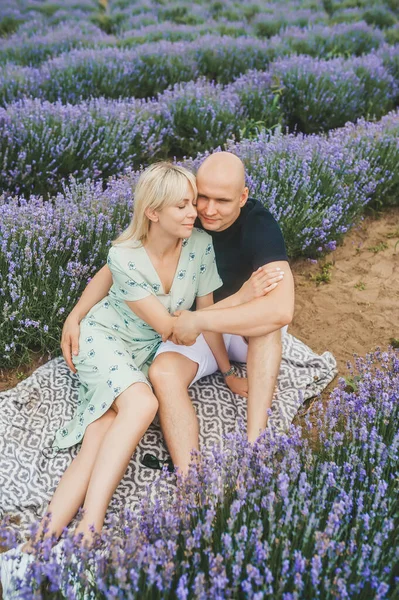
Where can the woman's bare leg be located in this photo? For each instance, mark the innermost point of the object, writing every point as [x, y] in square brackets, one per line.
[136, 408]
[72, 488]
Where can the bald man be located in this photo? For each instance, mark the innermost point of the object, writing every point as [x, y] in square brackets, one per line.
[246, 237]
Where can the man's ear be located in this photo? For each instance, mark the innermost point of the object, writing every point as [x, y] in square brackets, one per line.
[151, 214]
[244, 197]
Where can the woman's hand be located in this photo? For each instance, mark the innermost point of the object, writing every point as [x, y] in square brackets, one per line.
[70, 340]
[261, 282]
[238, 385]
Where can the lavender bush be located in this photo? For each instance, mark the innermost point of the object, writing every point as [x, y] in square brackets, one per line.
[31, 50]
[266, 25]
[42, 143]
[172, 32]
[108, 72]
[379, 16]
[347, 15]
[202, 114]
[344, 39]
[322, 95]
[392, 35]
[315, 186]
[26, 49]
[390, 58]
[308, 514]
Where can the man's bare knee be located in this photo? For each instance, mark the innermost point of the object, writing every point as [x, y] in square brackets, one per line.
[171, 368]
[272, 338]
[163, 366]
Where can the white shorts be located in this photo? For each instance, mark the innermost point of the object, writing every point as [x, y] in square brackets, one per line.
[199, 352]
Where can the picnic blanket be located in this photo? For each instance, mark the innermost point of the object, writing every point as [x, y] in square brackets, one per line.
[31, 413]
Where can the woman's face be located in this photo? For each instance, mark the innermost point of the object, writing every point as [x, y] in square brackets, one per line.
[178, 220]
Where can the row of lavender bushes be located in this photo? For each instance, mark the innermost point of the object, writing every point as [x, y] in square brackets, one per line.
[318, 40]
[151, 68]
[41, 143]
[315, 186]
[118, 19]
[314, 515]
[259, 19]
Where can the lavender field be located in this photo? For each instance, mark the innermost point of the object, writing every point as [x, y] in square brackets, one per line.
[306, 93]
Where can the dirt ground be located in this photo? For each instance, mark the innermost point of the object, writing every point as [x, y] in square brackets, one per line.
[358, 309]
[346, 303]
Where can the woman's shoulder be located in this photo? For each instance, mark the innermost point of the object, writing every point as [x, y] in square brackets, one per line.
[123, 255]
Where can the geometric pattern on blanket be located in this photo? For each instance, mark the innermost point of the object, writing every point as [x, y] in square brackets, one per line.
[31, 413]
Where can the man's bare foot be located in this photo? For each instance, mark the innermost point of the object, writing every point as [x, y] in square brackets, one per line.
[28, 547]
[86, 538]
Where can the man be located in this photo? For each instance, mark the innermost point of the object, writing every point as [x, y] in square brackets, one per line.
[245, 237]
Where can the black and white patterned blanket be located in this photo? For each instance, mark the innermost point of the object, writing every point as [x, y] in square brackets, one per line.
[31, 413]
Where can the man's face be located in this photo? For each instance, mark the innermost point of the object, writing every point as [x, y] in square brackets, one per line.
[219, 203]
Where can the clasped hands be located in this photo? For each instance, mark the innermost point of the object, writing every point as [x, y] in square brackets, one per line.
[185, 331]
[185, 328]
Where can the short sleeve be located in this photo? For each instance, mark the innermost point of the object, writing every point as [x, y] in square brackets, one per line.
[128, 282]
[264, 242]
[208, 276]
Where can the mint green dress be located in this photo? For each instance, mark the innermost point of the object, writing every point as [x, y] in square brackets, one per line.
[116, 347]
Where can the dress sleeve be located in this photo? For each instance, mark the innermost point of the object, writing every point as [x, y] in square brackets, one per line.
[128, 282]
[208, 276]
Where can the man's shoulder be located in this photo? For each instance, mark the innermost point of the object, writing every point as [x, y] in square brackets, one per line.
[261, 236]
[255, 209]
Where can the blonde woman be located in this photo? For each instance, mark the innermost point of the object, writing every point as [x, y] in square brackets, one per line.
[160, 264]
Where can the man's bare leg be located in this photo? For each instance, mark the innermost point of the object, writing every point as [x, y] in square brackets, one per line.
[170, 374]
[263, 364]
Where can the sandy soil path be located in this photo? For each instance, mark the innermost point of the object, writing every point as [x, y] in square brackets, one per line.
[358, 309]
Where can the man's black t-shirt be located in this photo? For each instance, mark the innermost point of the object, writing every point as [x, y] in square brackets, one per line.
[254, 239]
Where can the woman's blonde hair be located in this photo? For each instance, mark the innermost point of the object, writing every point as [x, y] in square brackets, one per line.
[162, 184]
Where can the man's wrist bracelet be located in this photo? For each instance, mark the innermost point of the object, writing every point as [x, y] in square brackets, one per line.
[231, 371]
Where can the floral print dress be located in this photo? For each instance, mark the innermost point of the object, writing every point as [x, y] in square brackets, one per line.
[116, 347]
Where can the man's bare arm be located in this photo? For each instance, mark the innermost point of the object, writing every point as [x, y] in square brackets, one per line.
[95, 291]
[257, 317]
[261, 282]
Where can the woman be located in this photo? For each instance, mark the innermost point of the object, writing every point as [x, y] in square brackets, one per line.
[160, 264]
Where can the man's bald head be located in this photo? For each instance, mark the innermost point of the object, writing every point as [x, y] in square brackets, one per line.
[223, 168]
[221, 190]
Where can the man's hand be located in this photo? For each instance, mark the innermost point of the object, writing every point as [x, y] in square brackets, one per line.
[185, 329]
[238, 385]
[70, 340]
